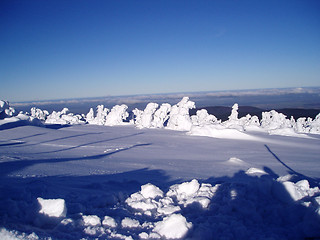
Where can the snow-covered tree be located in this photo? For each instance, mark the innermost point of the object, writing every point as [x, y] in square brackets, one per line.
[202, 118]
[161, 116]
[116, 116]
[179, 118]
[5, 109]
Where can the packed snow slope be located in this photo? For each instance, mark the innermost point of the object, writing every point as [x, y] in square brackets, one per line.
[90, 181]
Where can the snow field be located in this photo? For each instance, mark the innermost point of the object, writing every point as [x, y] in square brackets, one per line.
[133, 182]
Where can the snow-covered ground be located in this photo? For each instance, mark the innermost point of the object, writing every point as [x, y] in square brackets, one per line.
[239, 180]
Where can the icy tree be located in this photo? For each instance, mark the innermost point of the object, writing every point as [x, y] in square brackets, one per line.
[137, 116]
[39, 114]
[203, 118]
[274, 120]
[301, 125]
[5, 109]
[116, 116]
[233, 121]
[90, 116]
[101, 115]
[63, 117]
[234, 112]
[179, 118]
[161, 116]
[315, 125]
[146, 116]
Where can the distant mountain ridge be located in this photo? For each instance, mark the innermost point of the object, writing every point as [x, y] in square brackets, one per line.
[223, 113]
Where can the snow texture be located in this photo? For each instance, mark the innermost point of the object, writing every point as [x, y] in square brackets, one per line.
[87, 180]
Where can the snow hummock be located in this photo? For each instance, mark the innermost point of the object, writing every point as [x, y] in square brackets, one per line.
[173, 227]
[52, 207]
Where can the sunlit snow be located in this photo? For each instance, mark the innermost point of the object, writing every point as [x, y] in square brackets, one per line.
[158, 173]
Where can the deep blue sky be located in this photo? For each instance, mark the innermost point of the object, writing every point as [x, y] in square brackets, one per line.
[66, 49]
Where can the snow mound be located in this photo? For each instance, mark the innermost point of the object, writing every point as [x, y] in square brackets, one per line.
[255, 171]
[299, 190]
[91, 220]
[235, 161]
[173, 227]
[109, 222]
[218, 131]
[289, 132]
[52, 207]
[130, 223]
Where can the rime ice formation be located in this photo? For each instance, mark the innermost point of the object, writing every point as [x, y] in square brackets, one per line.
[234, 112]
[274, 120]
[161, 116]
[117, 115]
[39, 114]
[175, 117]
[5, 109]
[63, 117]
[100, 118]
[202, 118]
[144, 118]
[179, 118]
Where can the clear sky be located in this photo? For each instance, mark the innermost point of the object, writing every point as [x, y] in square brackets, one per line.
[74, 48]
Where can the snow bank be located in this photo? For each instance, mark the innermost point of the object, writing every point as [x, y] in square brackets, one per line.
[219, 131]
